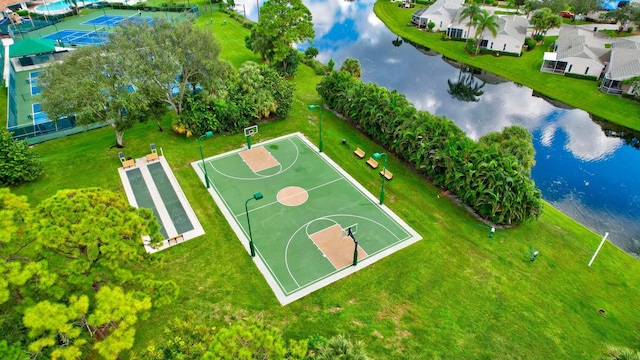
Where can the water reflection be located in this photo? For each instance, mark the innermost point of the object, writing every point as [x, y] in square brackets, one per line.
[586, 169]
[465, 88]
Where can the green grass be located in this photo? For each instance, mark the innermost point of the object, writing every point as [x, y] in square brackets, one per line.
[523, 70]
[451, 295]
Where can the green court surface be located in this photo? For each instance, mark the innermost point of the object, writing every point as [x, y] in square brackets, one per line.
[299, 228]
[153, 186]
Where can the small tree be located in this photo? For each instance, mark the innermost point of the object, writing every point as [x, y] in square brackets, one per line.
[311, 52]
[17, 163]
[431, 25]
[352, 66]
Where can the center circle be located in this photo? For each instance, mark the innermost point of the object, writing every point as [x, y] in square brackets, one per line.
[292, 196]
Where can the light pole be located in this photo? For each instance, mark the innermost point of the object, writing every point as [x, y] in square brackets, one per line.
[256, 196]
[204, 166]
[377, 156]
[313, 107]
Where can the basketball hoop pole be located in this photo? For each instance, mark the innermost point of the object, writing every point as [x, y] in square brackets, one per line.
[204, 166]
[249, 141]
[256, 196]
[355, 249]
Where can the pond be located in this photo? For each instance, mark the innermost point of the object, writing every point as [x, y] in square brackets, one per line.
[585, 170]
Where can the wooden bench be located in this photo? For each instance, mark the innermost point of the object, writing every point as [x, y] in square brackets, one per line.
[359, 153]
[152, 156]
[387, 174]
[372, 162]
[128, 163]
[176, 238]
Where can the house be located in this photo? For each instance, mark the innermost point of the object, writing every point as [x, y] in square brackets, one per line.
[576, 52]
[624, 64]
[511, 32]
[442, 13]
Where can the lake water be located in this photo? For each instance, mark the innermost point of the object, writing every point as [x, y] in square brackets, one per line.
[581, 169]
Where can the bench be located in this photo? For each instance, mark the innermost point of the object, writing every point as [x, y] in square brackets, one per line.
[152, 156]
[176, 238]
[387, 174]
[128, 163]
[372, 162]
[359, 153]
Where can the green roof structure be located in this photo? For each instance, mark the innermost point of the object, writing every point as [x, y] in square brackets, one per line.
[31, 47]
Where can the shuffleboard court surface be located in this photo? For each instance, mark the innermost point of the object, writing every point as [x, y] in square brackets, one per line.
[170, 199]
[143, 196]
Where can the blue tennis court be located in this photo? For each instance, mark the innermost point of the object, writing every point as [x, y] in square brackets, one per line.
[79, 37]
[112, 20]
[38, 116]
[33, 80]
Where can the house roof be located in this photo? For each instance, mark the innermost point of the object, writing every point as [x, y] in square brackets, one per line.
[31, 47]
[5, 3]
[571, 43]
[625, 60]
[447, 8]
[512, 26]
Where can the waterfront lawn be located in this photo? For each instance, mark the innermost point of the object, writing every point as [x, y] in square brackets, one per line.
[525, 70]
[452, 295]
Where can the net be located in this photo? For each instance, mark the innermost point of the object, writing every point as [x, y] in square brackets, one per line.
[344, 233]
[98, 36]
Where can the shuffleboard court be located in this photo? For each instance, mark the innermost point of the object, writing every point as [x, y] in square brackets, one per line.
[152, 185]
[299, 223]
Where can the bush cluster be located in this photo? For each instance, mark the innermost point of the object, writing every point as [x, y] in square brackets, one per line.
[492, 176]
[17, 164]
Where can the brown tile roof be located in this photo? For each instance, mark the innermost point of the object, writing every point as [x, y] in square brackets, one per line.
[5, 3]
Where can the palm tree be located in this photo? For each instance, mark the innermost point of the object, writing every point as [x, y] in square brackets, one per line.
[484, 21]
[352, 66]
[621, 16]
[466, 88]
[397, 42]
[340, 347]
[613, 352]
[470, 11]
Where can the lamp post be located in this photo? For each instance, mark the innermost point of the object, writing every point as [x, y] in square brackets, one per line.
[313, 107]
[204, 166]
[256, 196]
[377, 156]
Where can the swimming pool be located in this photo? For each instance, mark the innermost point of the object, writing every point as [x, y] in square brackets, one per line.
[58, 7]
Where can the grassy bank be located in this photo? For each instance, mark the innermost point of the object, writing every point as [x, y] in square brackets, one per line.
[524, 70]
[451, 295]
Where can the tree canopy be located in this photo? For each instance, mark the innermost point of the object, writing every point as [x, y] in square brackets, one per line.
[122, 81]
[282, 23]
[73, 258]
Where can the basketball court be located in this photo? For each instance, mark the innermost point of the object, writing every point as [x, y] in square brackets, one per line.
[307, 222]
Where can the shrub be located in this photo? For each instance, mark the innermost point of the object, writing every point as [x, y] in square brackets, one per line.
[319, 69]
[531, 44]
[17, 164]
[539, 37]
[582, 77]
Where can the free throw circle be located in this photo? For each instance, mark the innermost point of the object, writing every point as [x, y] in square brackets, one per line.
[292, 196]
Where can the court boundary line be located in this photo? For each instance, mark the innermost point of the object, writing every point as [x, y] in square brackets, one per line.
[263, 267]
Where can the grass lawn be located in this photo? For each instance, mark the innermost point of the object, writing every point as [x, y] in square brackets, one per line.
[451, 295]
[525, 70]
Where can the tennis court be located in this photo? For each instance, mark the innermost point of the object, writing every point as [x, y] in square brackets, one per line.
[33, 80]
[113, 20]
[79, 37]
[152, 185]
[308, 220]
[38, 116]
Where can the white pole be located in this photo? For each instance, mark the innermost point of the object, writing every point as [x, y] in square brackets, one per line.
[598, 249]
